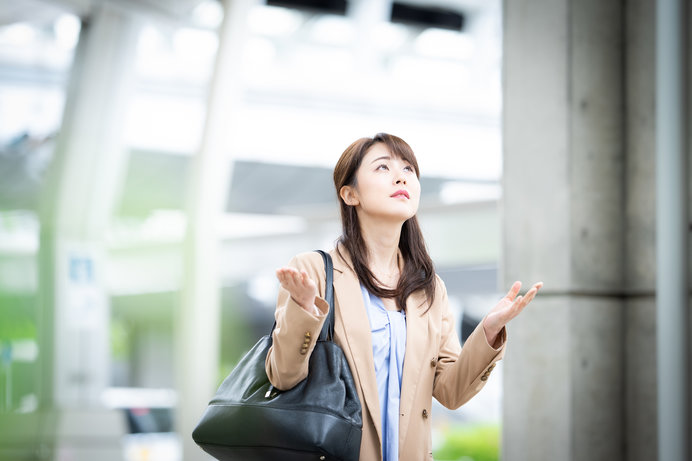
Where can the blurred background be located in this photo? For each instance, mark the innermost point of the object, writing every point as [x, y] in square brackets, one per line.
[159, 159]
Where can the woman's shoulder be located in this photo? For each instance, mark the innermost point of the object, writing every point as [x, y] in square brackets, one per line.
[440, 287]
[440, 298]
[309, 258]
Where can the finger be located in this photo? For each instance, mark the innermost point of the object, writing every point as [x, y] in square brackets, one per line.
[286, 271]
[288, 285]
[304, 277]
[288, 278]
[287, 282]
[525, 300]
[281, 275]
[516, 308]
[516, 286]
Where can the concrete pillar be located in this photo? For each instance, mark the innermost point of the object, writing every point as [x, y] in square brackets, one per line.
[198, 319]
[640, 233]
[91, 159]
[366, 15]
[562, 214]
[77, 204]
[641, 413]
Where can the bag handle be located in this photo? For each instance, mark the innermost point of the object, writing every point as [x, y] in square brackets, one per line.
[327, 333]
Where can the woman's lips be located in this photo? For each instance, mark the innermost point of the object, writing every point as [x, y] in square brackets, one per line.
[400, 193]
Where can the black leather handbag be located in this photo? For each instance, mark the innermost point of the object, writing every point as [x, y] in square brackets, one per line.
[318, 419]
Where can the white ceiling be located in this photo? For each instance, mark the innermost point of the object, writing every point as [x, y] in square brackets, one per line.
[454, 122]
[46, 10]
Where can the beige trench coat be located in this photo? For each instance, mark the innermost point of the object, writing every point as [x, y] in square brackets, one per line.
[434, 363]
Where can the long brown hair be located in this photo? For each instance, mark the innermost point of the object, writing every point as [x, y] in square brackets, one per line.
[419, 272]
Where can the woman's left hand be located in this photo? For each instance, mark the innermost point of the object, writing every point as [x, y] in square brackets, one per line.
[505, 310]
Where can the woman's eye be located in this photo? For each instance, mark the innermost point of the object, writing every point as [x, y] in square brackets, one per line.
[382, 167]
[408, 168]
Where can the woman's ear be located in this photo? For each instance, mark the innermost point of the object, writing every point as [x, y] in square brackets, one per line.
[349, 196]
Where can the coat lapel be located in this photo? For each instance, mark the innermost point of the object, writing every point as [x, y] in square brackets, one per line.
[416, 340]
[352, 312]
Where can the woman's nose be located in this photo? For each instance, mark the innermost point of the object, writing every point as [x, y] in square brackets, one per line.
[400, 181]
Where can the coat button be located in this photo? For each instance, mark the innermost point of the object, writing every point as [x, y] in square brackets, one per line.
[433, 363]
[425, 413]
[484, 378]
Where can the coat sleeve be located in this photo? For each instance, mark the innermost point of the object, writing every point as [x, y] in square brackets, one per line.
[296, 330]
[462, 372]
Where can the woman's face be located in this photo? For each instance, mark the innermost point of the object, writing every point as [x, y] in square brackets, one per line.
[386, 186]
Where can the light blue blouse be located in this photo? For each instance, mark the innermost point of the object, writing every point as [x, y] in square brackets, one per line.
[388, 330]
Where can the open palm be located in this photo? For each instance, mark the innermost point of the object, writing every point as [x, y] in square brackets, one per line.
[299, 284]
[506, 309]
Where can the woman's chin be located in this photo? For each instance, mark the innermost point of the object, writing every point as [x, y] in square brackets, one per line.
[394, 218]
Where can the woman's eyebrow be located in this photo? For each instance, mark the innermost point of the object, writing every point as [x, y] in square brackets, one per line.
[384, 157]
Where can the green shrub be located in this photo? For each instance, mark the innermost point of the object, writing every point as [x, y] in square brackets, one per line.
[477, 442]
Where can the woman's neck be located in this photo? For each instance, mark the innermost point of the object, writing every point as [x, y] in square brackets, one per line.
[382, 241]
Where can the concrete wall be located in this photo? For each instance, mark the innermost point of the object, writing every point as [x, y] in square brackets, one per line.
[578, 212]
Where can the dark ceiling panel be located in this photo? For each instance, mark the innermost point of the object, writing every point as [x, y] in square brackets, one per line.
[427, 16]
[317, 6]
[269, 188]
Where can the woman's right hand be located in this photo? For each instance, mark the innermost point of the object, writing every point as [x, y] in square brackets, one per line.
[301, 287]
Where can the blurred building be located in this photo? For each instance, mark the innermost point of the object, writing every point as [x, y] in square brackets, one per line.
[159, 159]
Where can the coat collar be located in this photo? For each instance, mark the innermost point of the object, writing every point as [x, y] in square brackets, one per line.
[353, 316]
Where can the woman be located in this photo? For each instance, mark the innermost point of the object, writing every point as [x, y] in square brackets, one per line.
[392, 314]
